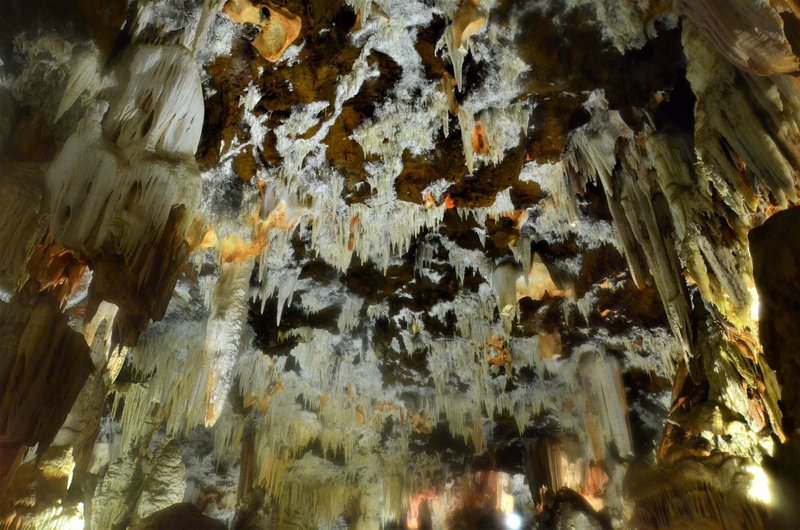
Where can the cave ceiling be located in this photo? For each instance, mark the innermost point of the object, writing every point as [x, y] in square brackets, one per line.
[367, 264]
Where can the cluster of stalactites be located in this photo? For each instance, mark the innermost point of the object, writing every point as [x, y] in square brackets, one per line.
[137, 169]
[639, 217]
[117, 202]
[125, 184]
[683, 207]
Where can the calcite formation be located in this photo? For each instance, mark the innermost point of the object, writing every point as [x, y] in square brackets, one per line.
[412, 264]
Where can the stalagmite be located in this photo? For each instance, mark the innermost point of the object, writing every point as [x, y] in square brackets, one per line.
[165, 485]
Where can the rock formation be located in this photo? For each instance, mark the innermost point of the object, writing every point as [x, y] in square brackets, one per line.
[375, 264]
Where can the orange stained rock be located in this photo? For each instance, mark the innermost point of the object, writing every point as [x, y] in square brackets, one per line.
[209, 239]
[374, 11]
[517, 216]
[57, 268]
[211, 413]
[480, 144]
[377, 11]
[538, 282]
[196, 233]
[467, 22]
[756, 410]
[421, 423]
[429, 201]
[498, 354]
[412, 517]
[351, 239]
[262, 402]
[243, 11]
[550, 345]
[753, 378]
[279, 27]
[277, 33]
[594, 486]
[233, 248]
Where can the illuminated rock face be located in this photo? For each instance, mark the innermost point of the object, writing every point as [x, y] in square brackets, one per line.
[393, 263]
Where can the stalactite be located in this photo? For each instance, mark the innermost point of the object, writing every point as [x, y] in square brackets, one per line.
[467, 20]
[224, 333]
[43, 366]
[549, 468]
[135, 165]
[84, 77]
[749, 34]
[604, 405]
[21, 190]
[637, 209]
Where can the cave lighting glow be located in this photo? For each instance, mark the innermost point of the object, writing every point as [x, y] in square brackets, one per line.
[513, 521]
[76, 521]
[759, 489]
[754, 304]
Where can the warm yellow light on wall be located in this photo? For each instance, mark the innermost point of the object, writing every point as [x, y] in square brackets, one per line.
[759, 489]
[754, 304]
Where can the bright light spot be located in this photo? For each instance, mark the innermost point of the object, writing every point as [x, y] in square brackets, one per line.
[759, 487]
[513, 521]
[75, 522]
[754, 305]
